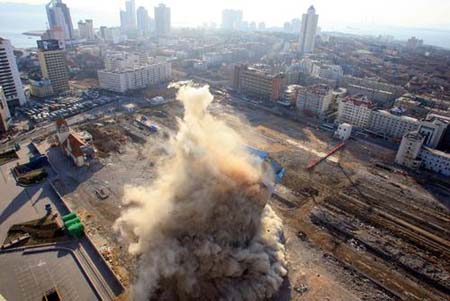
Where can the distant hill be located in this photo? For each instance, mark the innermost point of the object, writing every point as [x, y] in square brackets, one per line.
[20, 17]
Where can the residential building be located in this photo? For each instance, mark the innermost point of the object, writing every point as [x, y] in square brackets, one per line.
[232, 19]
[41, 88]
[433, 129]
[355, 110]
[414, 43]
[73, 145]
[139, 76]
[308, 31]
[409, 150]
[314, 100]
[377, 91]
[10, 77]
[4, 112]
[162, 20]
[435, 160]
[258, 83]
[143, 20]
[53, 65]
[58, 15]
[128, 16]
[86, 29]
[412, 153]
[387, 124]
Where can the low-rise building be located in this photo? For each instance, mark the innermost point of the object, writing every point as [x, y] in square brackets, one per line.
[137, 77]
[377, 91]
[435, 160]
[41, 88]
[344, 131]
[355, 110]
[73, 145]
[258, 83]
[315, 99]
[391, 125]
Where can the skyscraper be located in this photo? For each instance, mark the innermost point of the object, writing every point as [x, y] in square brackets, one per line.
[53, 64]
[231, 19]
[10, 77]
[58, 15]
[86, 29]
[162, 19]
[143, 20]
[128, 17]
[308, 31]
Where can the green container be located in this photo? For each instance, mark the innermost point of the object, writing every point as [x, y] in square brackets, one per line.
[76, 230]
[71, 222]
[69, 216]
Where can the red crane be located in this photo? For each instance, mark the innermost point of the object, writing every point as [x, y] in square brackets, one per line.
[313, 163]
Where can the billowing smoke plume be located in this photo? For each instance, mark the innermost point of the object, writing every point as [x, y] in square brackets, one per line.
[203, 229]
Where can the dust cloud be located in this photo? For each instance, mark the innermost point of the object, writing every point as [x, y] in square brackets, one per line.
[203, 230]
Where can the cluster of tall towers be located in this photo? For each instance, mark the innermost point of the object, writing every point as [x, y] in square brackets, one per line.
[132, 19]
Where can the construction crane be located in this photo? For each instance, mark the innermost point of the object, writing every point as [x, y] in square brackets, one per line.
[315, 162]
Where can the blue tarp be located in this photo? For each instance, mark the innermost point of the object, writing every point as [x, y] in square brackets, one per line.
[276, 167]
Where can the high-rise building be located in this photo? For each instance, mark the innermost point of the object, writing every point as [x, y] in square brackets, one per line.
[143, 20]
[56, 33]
[58, 15]
[86, 29]
[4, 112]
[10, 77]
[231, 19]
[308, 31]
[53, 64]
[128, 16]
[162, 19]
[414, 43]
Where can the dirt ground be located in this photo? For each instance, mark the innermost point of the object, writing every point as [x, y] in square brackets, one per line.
[356, 227]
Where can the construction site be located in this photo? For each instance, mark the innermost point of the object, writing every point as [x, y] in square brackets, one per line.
[356, 227]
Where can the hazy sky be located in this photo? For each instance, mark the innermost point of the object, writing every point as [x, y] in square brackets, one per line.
[333, 14]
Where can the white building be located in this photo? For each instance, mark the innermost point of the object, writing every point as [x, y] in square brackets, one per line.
[137, 77]
[409, 150]
[344, 131]
[391, 125]
[413, 154]
[162, 20]
[308, 31]
[435, 160]
[10, 77]
[355, 110]
[315, 99]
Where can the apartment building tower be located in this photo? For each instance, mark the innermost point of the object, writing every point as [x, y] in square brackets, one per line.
[53, 64]
[10, 77]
